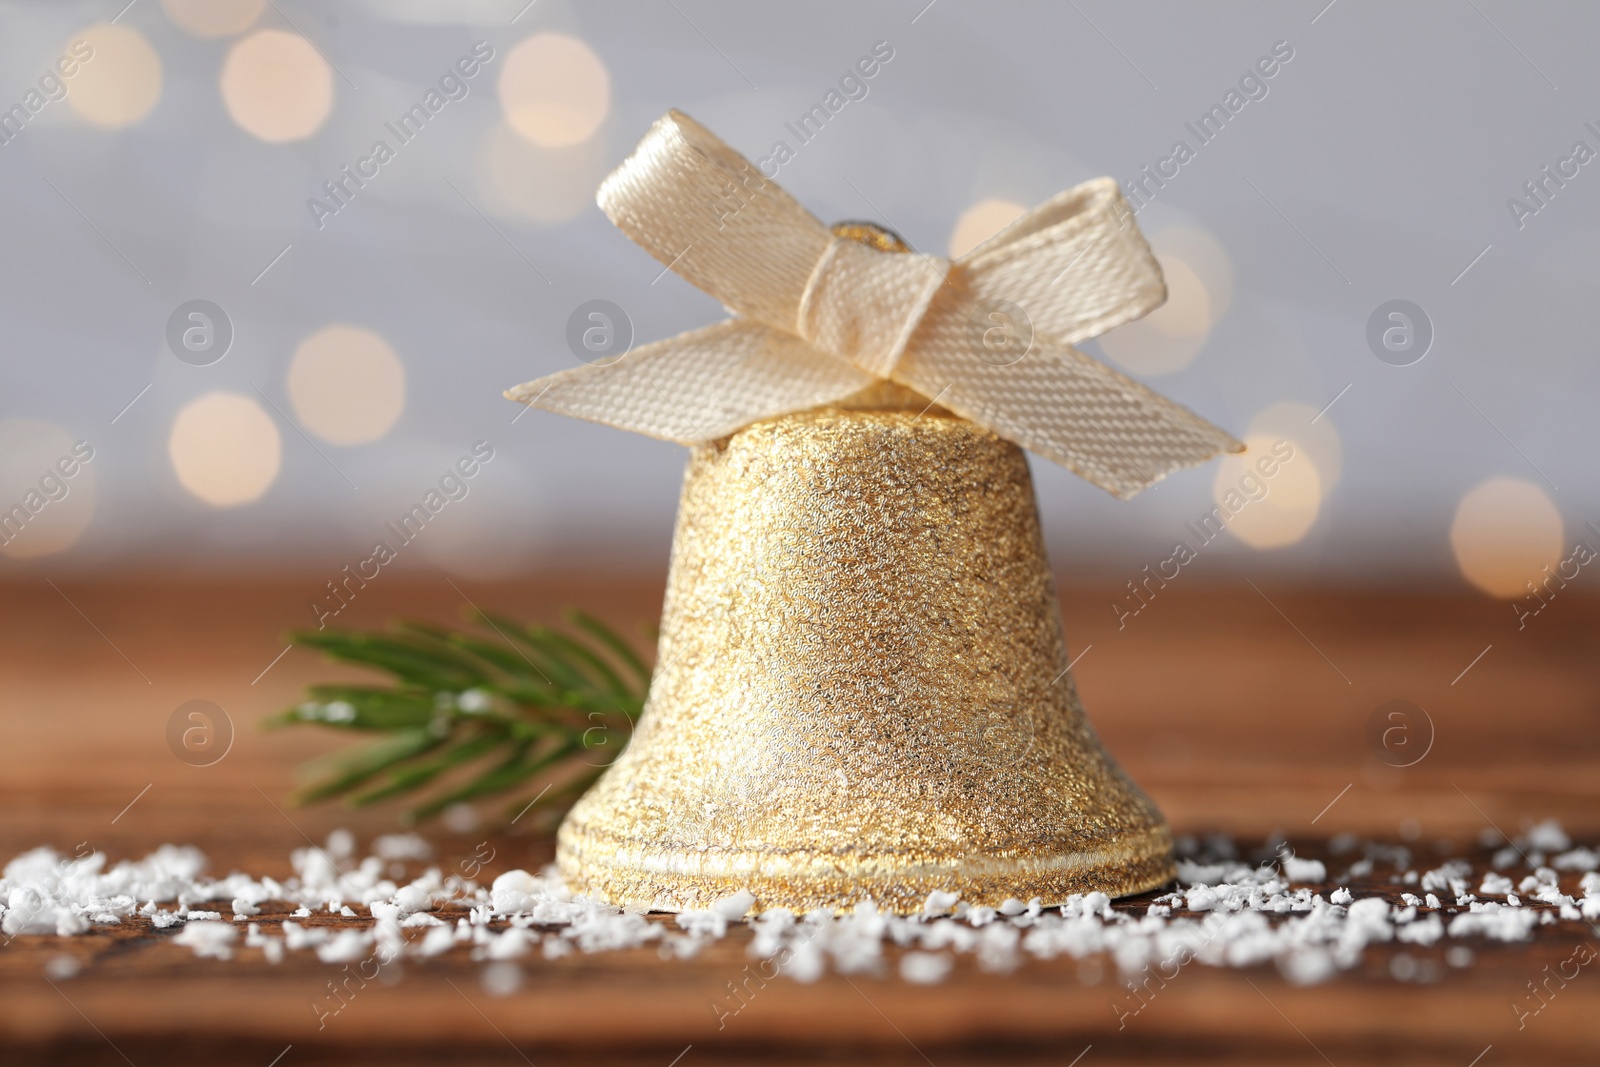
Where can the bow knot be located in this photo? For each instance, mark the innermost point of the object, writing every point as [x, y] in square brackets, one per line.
[863, 304]
[820, 316]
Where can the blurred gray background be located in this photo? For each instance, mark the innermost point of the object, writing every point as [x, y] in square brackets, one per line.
[1376, 164]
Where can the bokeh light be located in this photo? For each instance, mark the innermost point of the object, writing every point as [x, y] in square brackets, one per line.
[43, 508]
[1199, 290]
[1170, 337]
[1269, 506]
[554, 90]
[119, 84]
[1506, 531]
[1313, 433]
[213, 18]
[543, 185]
[225, 449]
[276, 87]
[347, 385]
[980, 222]
[1205, 256]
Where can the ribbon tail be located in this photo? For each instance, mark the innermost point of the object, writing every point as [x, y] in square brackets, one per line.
[1071, 409]
[699, 385]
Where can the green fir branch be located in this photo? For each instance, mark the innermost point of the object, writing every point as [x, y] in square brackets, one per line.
[474, 713]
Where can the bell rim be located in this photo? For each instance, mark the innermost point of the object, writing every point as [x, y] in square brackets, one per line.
[662, 876]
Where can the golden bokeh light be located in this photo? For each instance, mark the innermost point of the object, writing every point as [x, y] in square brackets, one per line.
[1199, 279]
[276, 87]
[1506, 531]
[1205, 256]
[1270, 493]
[543, 185]
[47, 488]
[225, 449]
[1301, 424]
[1170, 337]
[554, 90]
[119, 84]
[980, 222]
[347, 385]
[213, 18]
[1187, 311]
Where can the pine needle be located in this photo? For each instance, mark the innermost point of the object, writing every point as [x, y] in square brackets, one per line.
[484, 712]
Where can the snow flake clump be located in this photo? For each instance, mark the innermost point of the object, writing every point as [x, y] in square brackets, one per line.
[1296, 869]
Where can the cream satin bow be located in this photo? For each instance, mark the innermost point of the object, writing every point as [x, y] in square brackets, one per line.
[821, 316]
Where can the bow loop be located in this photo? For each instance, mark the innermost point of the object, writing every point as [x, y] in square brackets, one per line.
[711, 217]
[821, 317]
[1077, 264]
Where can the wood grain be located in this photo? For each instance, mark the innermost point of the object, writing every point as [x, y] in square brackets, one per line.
[1239, 708]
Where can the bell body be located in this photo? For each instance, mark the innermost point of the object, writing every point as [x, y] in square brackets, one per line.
[862, 689]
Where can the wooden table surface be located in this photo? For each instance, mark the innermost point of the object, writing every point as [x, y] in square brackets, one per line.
[1240, 709]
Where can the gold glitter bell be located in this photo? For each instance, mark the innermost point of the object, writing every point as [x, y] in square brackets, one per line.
[862, 689]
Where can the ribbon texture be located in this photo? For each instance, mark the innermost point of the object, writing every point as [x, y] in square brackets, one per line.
[819, 317]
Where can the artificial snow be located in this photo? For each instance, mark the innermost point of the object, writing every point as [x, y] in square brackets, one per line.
[924, 968]
[398, 847]
[1299, 870]
[208, 938]
[1226, 912]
